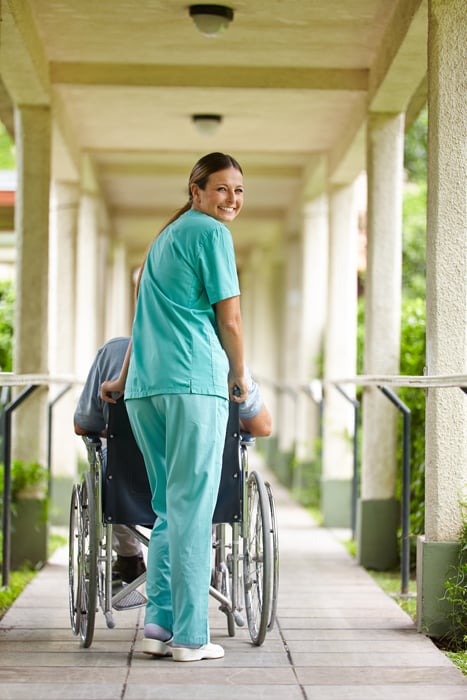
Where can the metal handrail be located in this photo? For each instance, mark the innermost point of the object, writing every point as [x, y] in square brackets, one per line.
[49, 435]
[405, 505]
[381, 382]
[32, 382]
[6, 515]
[434, 381]
[417, 382]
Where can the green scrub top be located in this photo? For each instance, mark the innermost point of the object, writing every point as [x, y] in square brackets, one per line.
[176, 348]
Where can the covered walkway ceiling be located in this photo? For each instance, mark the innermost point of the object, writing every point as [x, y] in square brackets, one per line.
[292, 80]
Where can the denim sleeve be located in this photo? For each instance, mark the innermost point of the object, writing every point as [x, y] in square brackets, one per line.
[89, 414]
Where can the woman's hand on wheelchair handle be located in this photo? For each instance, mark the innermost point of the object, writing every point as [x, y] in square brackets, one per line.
[111, 391]
[238, 389]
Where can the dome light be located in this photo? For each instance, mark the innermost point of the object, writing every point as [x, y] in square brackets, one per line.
[207, 124]
[211, 20]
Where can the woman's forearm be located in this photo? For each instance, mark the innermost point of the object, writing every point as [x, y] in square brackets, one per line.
[229, 324]
[117, 386]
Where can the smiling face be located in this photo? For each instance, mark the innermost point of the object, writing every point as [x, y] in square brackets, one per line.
[222, 198]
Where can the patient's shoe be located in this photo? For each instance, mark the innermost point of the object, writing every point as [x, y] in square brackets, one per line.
[207, 651]
[128, 568]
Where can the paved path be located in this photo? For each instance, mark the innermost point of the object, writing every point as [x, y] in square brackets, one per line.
[338, 637]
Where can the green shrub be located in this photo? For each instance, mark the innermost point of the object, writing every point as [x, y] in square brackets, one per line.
[25, 477]
[456, 594]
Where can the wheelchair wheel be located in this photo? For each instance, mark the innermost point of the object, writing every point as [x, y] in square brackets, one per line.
[258, 562]
[275, 558]
[74, 591]
[87, 561]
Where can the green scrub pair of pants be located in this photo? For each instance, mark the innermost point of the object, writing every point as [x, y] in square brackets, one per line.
[182, 439]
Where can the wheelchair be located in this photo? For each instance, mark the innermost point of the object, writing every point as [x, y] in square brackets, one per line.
[245, 562]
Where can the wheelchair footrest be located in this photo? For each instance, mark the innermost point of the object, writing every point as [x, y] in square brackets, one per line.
[134, 599]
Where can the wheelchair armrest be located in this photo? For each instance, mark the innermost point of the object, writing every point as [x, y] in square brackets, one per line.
[92, 441]
[247, 440]
[93, 446]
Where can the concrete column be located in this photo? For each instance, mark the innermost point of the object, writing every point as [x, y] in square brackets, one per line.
[89, 286]
[62, 255]
[378, 515]
[119, 295]
[313, 321]
[304, 313]
[33, 148]
[263, 321]
[247, 301]
[103, 286]
[260, 352]
[290, 344]
[446, 409]
[340, 358]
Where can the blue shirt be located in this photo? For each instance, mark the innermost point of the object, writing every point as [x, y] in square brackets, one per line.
[176, 348]
[92, 413]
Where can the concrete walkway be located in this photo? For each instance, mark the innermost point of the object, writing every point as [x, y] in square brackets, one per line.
[338, 637]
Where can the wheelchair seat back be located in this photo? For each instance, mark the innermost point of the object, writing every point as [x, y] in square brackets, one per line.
[126, 491]
[229, 506]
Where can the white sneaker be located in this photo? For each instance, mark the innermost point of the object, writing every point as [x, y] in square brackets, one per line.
[157, 648]
[207, 651]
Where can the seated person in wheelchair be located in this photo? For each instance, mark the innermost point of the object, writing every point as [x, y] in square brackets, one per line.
[91, 416]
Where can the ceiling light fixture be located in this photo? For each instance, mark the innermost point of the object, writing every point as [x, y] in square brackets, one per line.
[211, 20]
[206, 124]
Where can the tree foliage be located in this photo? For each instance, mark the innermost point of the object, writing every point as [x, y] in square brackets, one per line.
[7, 292]
[7, 300]
[413, 314]
[7, 150]
[415, 148]
[414, 241]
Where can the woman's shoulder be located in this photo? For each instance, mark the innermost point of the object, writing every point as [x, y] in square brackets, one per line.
[201, 227]
[203, 220]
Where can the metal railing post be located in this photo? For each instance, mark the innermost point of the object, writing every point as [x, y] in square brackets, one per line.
[6, 518]
[49, 436]
[355, 476]
[314, 391]
[405, 515]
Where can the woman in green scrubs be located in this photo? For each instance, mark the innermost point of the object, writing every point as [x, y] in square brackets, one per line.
[184, 363]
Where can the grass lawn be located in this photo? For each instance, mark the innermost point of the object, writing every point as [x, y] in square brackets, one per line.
[18, 580]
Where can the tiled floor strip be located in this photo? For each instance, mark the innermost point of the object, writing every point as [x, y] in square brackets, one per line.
[338, 637]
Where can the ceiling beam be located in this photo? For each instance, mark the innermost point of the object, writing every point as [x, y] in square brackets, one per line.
[151, 214]
[135, 168]
[23, 61]
[401, 61]
[145, 75]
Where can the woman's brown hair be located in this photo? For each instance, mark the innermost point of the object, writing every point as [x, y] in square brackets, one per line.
[206, 166]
